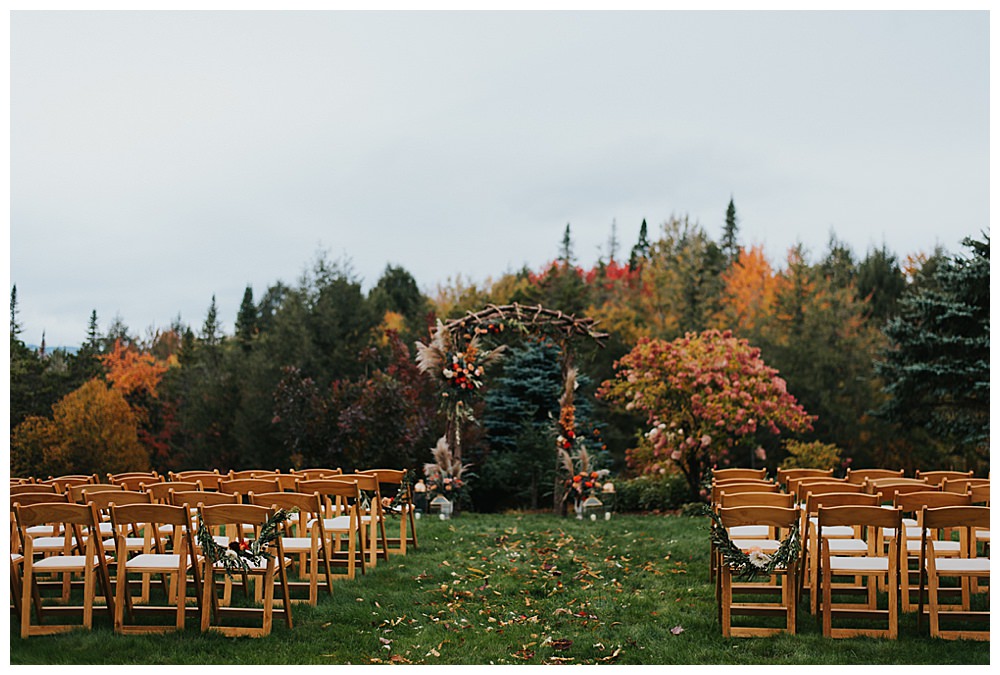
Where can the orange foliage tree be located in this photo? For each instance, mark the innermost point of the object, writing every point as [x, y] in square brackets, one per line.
[748, 294]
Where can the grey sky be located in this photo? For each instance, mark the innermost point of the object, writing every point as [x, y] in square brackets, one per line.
[158, 158]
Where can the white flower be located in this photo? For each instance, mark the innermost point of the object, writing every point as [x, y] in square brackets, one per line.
[758, 558]
[448, 373]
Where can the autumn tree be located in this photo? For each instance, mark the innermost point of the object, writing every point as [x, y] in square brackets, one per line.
[92, 430]
[748, 294]
[707, 400]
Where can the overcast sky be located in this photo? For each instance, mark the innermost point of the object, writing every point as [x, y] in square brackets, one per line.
[158, 158]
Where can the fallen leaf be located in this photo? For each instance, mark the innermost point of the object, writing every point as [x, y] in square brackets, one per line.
[561, 645]
[677, 630]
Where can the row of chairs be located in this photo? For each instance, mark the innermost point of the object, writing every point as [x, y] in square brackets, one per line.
[85, 532]
[871, 552]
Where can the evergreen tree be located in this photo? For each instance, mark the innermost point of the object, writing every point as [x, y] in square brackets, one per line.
[937, 368]
[520, 405]
[246, 319]
[881, 281]
[641, 248]
[211, 330]
[730, 245]
[566, 257]
[838, 265]
[15, 326]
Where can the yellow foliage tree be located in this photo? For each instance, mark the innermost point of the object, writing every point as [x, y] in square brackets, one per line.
[92, 430]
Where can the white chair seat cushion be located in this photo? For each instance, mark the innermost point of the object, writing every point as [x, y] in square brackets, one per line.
[852, 564]
[50, 544]
[16, 558]
[47, 530]
[959, 565]
[848, 546]
[297, 544]
[340, 523]
[65, 562]
[749, 531]
[106, 529]
[833, 530]
[765, 545]
[983, 535]
[155, 561]
[913, 546]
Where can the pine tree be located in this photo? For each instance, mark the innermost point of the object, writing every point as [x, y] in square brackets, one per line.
[211, 330]
[15, 326]
[641, 248]
[937, 370]
[730, 244]
[881, 281]
[246, 319]
[566, 249]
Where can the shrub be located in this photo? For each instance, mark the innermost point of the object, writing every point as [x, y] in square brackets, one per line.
[651, 492]
[813, 455]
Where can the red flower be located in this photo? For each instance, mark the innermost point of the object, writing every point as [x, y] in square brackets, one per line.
[577, 478]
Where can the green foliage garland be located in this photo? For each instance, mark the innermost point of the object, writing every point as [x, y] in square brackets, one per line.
[744, 566]
[240, 554]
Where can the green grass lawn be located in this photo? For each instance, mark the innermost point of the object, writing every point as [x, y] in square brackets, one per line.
[514, 589]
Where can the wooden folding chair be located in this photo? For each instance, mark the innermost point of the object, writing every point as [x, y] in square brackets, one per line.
[783, 520]
[938, 477]
[372, 515]
[266, 572]
[726, 474]
[751, 535]
[244, 486]
[342, 522]
[74, 520]
[133, 480]
[913, 504]
[794, 482]
[102, 502]
[873, 566]
[391, 483]
[315, 474]
[160, 492]
[171, 556]
[962, 485]
[861, 475]
[78, 493]
[63, 483]
[844, 540]
[305, 537]
[784, 475]
[966, 567]
[32, 488]
[209, 479]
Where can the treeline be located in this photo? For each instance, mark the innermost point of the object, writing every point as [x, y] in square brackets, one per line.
[322, 374]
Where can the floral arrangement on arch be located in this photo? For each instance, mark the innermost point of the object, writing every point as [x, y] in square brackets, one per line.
[457, 370]
[582, 480]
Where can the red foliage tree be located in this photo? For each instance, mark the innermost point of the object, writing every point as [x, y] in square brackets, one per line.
[703, 395]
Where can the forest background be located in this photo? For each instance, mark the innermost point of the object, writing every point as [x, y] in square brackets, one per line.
[890, 354]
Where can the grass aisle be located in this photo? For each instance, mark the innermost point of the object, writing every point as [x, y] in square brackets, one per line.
[513, 589]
